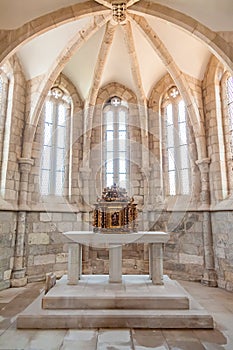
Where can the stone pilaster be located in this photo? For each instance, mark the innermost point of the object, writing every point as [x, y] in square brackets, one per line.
[25, 165]
[209, 277]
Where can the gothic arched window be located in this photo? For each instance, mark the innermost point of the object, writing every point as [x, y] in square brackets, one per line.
[115, 146]
[177, 166]
[56, 112]
[5, 123]
[229, 88]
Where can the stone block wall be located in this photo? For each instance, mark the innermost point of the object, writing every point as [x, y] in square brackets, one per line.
[222, 228]
[184, 252]
[46, 248]
[8, 222]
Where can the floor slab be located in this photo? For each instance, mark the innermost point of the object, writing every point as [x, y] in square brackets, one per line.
[219, 338]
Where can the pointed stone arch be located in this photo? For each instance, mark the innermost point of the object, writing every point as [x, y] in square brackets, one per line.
[12, 39]
[217, 44]
[113, 89]
[41, 85]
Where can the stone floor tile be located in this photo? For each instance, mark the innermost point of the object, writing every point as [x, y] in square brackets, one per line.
[185, 345]
[139, 347]
[119, 336]
[211, 336]
[46, 339]
[113, 347]
[114, 340]
[8, 295]
[14, 339]
[148, 339]
[211, 346]
[80, 340]
[182, 340]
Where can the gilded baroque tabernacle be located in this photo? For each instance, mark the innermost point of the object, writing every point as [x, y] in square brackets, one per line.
[115, 211]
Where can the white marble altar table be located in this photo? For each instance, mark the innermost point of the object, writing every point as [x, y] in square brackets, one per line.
[114, 242]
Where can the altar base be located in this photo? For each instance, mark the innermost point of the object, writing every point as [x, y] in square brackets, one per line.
[95, 303]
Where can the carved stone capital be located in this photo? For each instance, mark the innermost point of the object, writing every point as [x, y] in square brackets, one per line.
[25, 164]
[203, 165]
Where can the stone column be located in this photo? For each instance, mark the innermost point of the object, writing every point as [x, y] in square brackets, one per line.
[146, 179]
[19, 278]
[156, 261]
[25, 165]
[203, 165]
[19, 271]
[209, 276]
[115, 263]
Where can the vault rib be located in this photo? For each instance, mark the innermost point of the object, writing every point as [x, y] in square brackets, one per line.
[91, 100]
[34, 105]
[178, 77]
[105, 3]
[135, 70]
[129, 41]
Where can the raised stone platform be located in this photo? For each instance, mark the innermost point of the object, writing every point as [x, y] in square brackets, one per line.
[95, 292]
[95, 303]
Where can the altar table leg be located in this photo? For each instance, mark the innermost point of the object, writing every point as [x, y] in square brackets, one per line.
[115, 263]
[156, 261]
[74, 263]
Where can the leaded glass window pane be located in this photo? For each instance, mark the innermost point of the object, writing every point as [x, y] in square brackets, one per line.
[45, 176]
[49, 112]
[59, 183]
[54, 143]
[171, 160]
[1, 90]
[169, 114]
[170, 136]
[178, 166]
[109, 166]
[116, 145]
[182, 113]
[172, 183]
[109, 179]
[185, 181]
[230, 101]
[230, 89]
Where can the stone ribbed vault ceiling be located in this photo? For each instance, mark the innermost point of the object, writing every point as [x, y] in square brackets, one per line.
[125, 56]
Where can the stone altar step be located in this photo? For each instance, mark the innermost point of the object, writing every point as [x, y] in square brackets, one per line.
[125, 303]
[36, 317]
[95, 292]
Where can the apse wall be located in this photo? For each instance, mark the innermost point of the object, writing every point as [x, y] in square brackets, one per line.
[31, 235]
